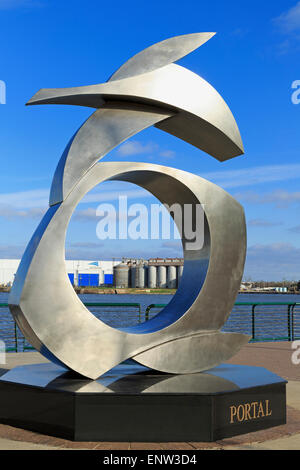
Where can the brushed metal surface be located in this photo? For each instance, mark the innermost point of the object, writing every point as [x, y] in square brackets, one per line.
[164, 94]
[185, 337]
[160, 54]
[46, 306]
[172, 88]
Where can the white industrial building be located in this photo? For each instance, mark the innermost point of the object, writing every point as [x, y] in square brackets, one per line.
[8, 269]
[155, 273]
[92, 272]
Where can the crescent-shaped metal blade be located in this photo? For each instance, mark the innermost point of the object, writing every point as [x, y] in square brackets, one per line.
[203, 351]
[104, 130]
[160, 54]
[199, 114]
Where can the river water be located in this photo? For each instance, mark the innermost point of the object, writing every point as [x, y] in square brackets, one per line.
[267, 323]
[147, 299]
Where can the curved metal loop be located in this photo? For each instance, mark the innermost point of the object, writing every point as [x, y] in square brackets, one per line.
[56, 321]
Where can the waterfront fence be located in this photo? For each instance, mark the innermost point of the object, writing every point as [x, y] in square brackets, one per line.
[263, 321]
[108, 312]
[269, 321]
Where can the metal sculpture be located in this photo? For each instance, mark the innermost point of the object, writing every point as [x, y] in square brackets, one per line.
[185, 337]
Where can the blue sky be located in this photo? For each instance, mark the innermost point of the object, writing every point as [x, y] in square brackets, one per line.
[252, 62]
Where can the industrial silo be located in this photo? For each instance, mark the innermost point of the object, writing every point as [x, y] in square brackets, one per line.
[179, 274]
[138, 276]
[162, 277]
[121, 276]
[146, 274]
[152, 277]
[172, 277]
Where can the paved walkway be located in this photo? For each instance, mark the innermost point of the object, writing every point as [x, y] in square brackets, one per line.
[277, 357]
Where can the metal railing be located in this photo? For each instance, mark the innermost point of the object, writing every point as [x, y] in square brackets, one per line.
[108, 312]
[8, 329]
[266, 321]
[263, 321]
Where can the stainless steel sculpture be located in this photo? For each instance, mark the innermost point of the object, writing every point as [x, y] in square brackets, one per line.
[185, 337]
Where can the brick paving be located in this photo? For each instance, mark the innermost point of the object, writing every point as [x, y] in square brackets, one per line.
[273, 356]
[277, 357]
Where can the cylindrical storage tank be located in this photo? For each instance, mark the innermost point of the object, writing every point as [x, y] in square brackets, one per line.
[172, 277]
[121, 276]
[138, 275]
[152, 277]
[132, 276]
[179, 274]
[162, 277]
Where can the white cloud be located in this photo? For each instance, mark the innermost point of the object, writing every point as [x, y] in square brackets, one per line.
[134, 147]
[263, 223]
[11, 251]
[35, 202]
[167, 154]
[289, 21]
[273, 262]
[9, 212]
[254, 175]
[26, 199]
[89, 214]
[32, 204]
[85, 214]
[104, 196]
[279, 198]
[288, 24]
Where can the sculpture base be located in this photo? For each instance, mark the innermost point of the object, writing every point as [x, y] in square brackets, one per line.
[133, 403]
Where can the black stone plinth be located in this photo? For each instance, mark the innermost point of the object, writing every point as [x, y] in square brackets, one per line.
[132, 403]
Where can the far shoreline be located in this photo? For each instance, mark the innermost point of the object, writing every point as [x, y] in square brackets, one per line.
[145, 291]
